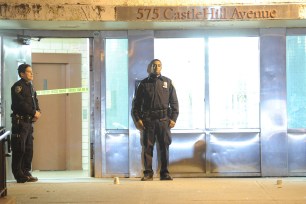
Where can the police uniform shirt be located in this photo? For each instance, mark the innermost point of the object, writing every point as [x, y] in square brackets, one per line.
[24, 99]
[155, 93]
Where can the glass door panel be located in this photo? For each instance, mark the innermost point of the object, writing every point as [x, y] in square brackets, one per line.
[296, 109]
[183, 62]
[234, 82]
[296, 74]
[116, 61]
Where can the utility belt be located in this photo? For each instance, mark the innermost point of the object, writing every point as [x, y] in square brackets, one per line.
[24, 118]
[156, 114]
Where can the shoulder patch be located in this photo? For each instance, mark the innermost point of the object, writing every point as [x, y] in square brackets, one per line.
[18, 89]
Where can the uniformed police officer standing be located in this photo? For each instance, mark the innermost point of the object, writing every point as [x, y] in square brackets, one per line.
[155, 111]
[26, 110]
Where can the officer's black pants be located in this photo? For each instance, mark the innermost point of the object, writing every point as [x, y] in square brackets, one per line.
[156, 129]
[22, 148]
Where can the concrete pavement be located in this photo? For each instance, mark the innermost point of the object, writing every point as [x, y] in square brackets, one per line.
[179, 191]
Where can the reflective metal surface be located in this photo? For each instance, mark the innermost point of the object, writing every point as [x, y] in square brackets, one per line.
[234, 153]
[117, 154]
[13, 54]
[141, 46]
[98, 48]
[274, 144]
[187, 153]
[296, 153]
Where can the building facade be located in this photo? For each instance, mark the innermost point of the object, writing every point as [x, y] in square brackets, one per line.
[238, 69]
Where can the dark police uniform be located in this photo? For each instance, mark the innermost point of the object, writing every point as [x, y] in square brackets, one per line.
[24, 106]
[155, 103]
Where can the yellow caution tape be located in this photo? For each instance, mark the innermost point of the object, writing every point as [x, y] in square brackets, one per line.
[62, 91]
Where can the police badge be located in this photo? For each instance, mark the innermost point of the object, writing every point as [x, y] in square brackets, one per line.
[18, 89]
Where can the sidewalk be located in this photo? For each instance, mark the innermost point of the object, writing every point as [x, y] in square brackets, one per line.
[178, 191]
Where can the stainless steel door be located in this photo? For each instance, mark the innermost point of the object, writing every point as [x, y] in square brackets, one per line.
[14, 53]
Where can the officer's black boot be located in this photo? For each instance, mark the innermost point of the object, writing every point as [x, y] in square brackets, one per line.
[148, 177]
[20, 178]
[30, 177]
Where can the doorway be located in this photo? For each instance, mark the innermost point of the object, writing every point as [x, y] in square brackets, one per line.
[58, 134]
[212, 119]
[61, 80]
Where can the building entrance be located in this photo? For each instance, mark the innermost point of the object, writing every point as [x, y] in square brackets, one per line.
[217, 83]
[232, 90]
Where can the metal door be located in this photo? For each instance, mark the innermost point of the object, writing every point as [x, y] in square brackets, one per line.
[14, 53]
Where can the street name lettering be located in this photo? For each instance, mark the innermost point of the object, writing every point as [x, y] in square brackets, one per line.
[170, 13]
[189, 13]
[265, 14]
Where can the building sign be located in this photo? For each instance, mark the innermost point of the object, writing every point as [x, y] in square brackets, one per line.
[209, 13]
[91, 12]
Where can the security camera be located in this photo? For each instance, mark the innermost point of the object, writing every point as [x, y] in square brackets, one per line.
[24, 40]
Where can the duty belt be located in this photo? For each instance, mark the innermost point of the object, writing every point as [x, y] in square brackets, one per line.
[156, 114]
[25, 118]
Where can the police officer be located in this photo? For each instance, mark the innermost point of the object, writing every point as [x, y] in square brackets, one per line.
[26, 110]
[155, 111]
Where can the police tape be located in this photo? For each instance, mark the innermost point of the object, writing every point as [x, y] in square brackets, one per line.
[62, 91]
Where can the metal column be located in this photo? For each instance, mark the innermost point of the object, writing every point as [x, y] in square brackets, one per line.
[274, 144]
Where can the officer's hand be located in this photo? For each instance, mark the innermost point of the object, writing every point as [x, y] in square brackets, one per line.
[171, 124]
[139, 125]
[36, 116]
